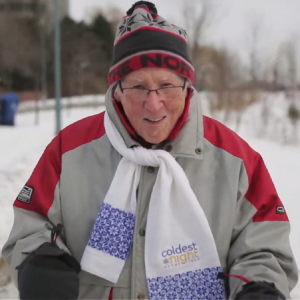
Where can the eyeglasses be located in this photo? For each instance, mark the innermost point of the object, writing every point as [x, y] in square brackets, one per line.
[167, 92]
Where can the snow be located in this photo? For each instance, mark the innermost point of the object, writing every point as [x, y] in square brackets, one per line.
[22, 145]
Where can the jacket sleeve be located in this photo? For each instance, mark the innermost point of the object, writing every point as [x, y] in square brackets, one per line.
[36, 209]
[260, 247]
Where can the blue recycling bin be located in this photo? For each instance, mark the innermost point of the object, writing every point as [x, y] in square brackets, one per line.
[8, 107]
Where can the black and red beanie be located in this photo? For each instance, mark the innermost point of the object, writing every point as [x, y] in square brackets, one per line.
[144, 39]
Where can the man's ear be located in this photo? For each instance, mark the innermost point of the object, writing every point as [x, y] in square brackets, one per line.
[117, 96]
[117, 93]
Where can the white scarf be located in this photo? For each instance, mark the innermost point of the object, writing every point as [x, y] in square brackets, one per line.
[181, 258]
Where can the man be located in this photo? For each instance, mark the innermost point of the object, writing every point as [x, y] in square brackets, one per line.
[154, 200]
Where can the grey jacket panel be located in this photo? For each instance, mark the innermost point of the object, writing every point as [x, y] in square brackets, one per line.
[219, 179]
[261, 252]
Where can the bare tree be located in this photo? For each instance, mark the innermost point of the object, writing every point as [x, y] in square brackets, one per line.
[254, 36]
[198, 17]
[285, 66]
[292, 65]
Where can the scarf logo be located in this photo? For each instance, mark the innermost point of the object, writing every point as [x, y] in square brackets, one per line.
[176, 256]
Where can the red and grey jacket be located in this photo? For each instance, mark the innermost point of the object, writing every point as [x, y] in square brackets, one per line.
[69, 183]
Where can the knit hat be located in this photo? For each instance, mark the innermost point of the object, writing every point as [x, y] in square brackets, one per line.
[144, 39]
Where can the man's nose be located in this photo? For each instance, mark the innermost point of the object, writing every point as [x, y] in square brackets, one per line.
[153, 101]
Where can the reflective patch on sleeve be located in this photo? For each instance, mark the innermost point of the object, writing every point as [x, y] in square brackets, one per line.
[25, 194]
[280, 210]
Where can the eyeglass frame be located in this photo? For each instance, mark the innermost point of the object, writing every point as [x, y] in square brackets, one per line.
[153, 90]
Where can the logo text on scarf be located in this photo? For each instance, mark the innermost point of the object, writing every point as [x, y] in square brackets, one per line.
[179, 255]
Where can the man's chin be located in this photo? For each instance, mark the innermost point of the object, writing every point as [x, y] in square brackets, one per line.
[155, 140]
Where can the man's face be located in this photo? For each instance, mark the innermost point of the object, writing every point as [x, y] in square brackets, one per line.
[152, 116]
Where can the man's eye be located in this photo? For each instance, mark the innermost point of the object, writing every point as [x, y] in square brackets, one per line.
[139, 87]
[167, 85]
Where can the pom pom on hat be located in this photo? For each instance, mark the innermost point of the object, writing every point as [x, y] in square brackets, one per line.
[149, 5]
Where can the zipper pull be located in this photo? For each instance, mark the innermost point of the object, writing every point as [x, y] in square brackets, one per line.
[55, 233]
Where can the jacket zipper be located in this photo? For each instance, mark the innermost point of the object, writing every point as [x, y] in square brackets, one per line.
[111, 297]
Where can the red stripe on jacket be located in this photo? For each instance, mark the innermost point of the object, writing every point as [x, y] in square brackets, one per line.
[47, 172]
[261, 192]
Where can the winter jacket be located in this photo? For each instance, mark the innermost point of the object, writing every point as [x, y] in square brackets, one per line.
[248, 221]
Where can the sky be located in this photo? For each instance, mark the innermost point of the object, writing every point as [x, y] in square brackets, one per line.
[279, 17]
[79, 8]
[232, 27]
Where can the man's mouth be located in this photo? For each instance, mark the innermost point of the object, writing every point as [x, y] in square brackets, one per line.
[154, 120]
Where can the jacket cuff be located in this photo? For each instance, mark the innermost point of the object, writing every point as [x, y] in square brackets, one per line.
[260, 290]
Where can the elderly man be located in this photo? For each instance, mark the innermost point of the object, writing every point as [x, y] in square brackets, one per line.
[150, 199]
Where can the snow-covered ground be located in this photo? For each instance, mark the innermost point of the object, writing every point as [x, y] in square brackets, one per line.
[21, 147]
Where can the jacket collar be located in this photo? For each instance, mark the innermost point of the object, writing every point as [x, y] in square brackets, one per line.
[188, 143]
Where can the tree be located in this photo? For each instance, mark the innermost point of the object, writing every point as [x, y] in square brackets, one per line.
[27, 54]
[112, 14]
[285, 66]
[214, 68]
[19, 49]
[103, 29]
[198, 17]
[255, 28]
[84, 58]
